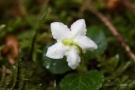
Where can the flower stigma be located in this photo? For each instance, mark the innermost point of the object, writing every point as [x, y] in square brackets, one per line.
[69, 42]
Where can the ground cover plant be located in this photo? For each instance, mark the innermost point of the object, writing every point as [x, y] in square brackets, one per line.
[67, 45]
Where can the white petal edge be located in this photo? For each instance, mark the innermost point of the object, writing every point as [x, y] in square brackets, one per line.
[56, 51]
[86, 43]
[59, 31]
[78, 28]
[73, 58]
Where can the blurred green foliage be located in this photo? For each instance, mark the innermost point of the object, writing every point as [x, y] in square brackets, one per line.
[91, 80]
[21, 17]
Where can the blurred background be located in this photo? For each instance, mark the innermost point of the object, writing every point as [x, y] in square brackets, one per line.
[19, 20]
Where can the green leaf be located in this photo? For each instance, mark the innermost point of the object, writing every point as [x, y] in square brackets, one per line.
[97, 35]
[91, 80]
[55, 66]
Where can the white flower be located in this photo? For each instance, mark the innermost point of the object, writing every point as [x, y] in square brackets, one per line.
[70, 43]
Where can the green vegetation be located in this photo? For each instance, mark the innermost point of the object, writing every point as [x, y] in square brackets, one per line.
[25, 24]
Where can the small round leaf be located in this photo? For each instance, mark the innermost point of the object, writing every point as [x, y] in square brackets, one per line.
[97, 35]
[91, 80]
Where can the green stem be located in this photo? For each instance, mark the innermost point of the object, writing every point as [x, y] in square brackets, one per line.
[41, 21]
[82, 67]
[83, 63]
[80, 49]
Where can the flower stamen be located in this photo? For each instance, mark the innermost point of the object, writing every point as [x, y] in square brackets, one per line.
[68, 42]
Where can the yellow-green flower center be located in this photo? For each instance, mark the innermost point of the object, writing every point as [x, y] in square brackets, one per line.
[69, 42]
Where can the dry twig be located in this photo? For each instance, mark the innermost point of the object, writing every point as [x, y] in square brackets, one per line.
[110, 26]
[129, 5]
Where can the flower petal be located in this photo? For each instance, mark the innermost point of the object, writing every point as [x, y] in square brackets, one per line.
[78, 28]
[86, 43]
[59, 31]
[56, 51]
[73, 58]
